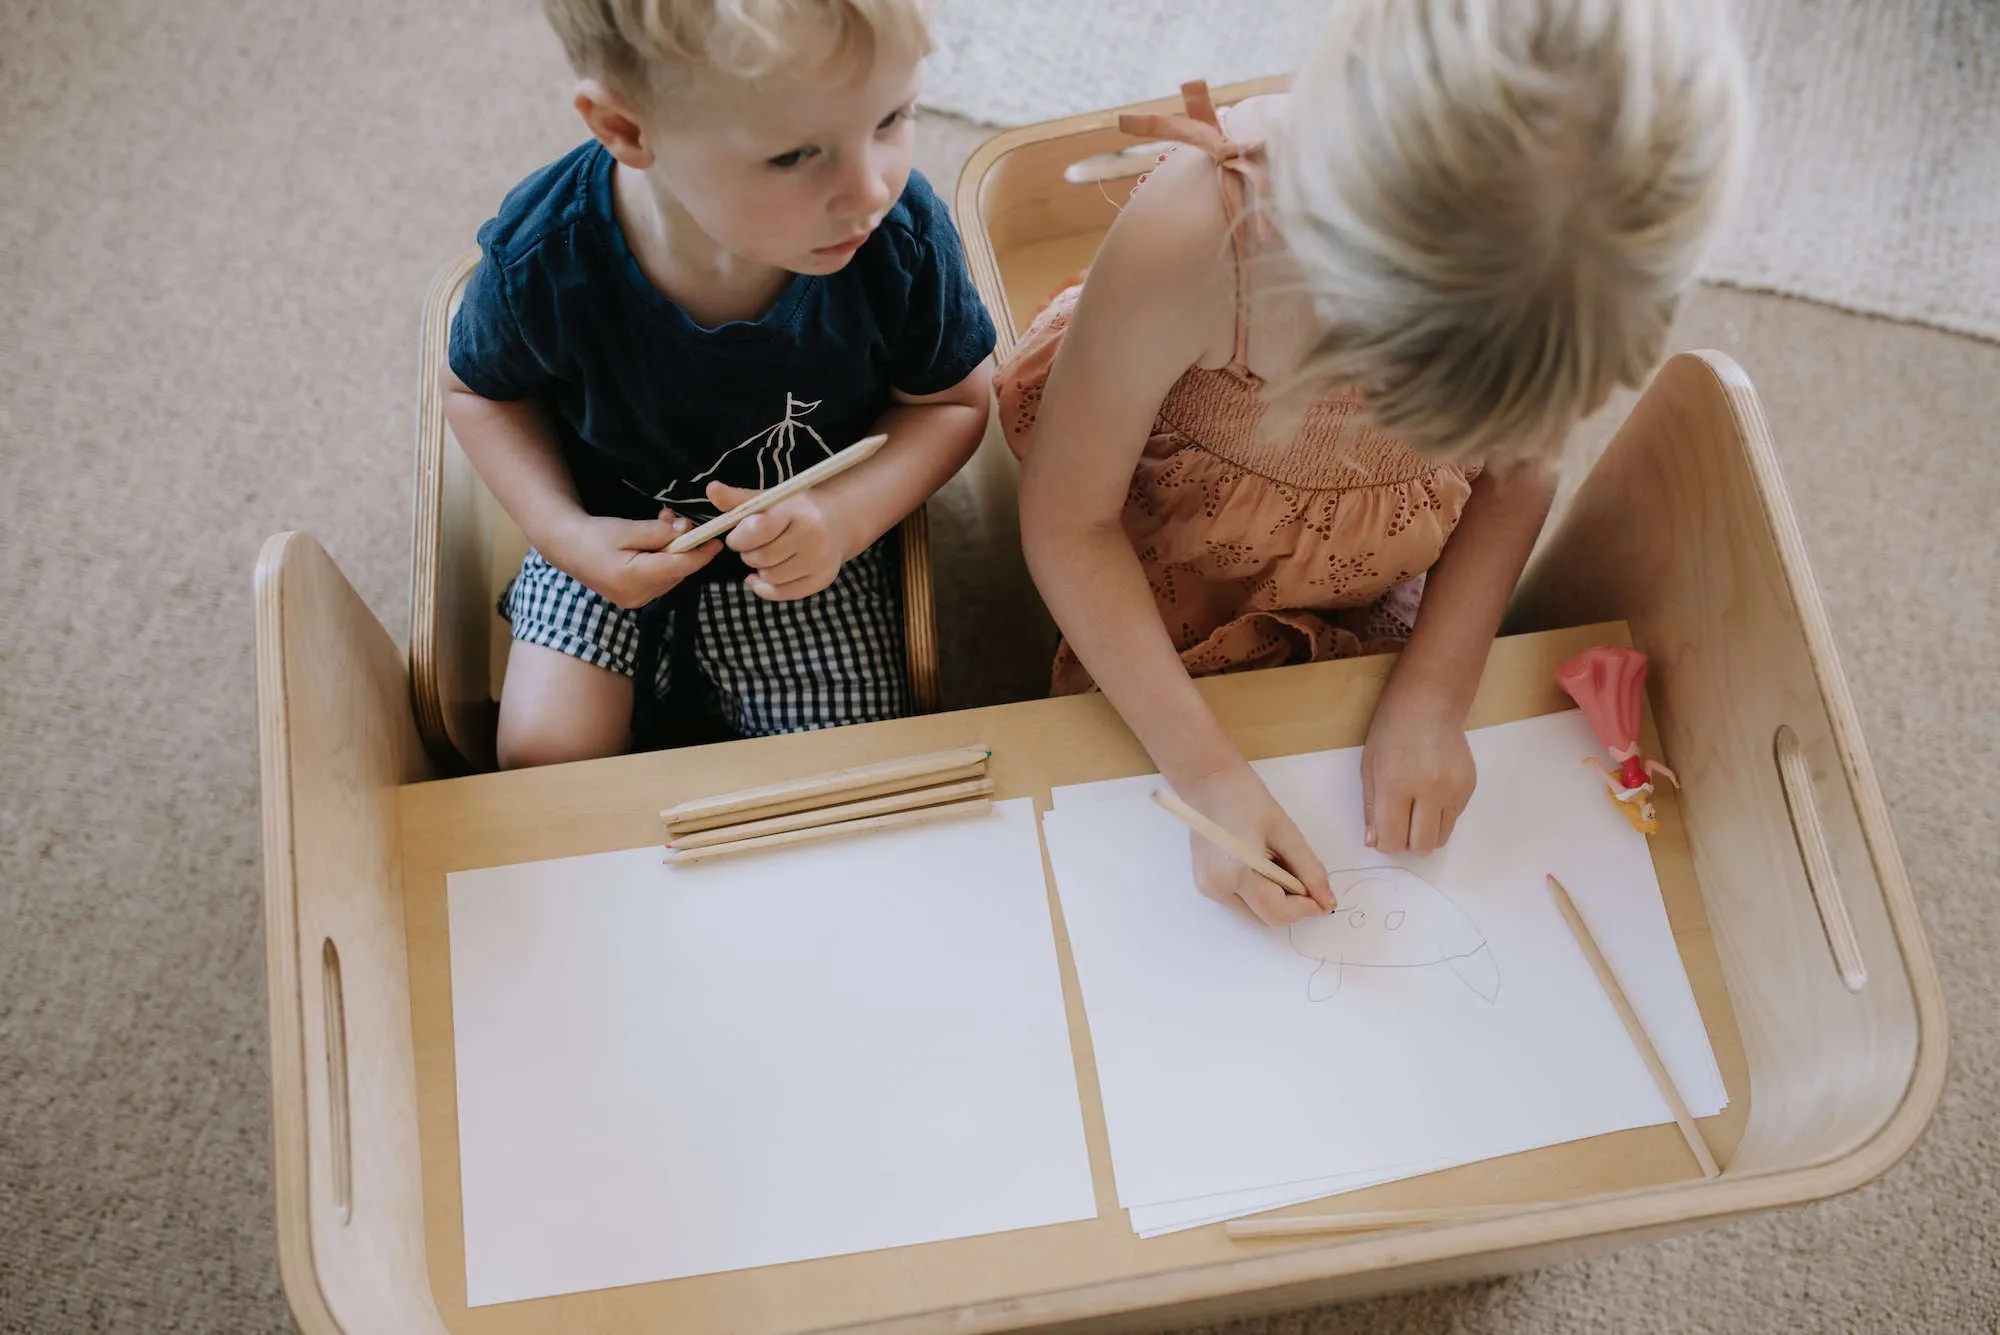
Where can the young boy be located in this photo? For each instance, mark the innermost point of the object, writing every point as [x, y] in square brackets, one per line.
[737, 276]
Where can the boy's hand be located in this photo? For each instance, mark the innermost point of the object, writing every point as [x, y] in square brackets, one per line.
[1417, 775]
[794, 549]
[1239, 802]
[626, 560]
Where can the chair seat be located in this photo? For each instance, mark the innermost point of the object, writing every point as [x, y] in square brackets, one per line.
[466, 548]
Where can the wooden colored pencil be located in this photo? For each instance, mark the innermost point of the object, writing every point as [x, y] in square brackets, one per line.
[675, 829]
[844, 785]
[907, 800]
[894, 820]
[1609, 981]
[1363, 1221]
[1252, 858]
[1358, 1221]
[831, 466]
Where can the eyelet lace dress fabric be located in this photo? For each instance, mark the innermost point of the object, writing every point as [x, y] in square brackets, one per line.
[1258, 553]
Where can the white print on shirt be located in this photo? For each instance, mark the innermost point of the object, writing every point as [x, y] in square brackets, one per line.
[775, 454]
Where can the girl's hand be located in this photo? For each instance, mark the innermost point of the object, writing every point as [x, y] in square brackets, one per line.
[794, 549]
[1416, 775]
[1238, 801]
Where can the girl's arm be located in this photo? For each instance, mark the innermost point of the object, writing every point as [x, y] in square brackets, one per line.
[1160, 299]
[1416, 771]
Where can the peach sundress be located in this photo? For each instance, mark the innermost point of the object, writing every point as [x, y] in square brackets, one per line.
[1259, 553]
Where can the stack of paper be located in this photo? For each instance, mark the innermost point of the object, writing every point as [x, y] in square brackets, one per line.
[1444, 1014]
[844, 1046]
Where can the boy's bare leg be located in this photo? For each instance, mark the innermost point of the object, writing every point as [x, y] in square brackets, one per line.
[555, 708]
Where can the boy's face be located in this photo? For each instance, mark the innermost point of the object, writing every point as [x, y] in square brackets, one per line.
[793, 173]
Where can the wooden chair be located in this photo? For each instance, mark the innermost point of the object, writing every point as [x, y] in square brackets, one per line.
[466, 549]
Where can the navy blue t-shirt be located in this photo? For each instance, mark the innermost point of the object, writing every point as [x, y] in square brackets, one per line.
[648, 405]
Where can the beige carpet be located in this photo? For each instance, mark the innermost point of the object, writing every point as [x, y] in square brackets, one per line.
[1875, 180]
[217, 218]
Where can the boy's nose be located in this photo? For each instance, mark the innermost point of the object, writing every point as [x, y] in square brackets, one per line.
[864, 190]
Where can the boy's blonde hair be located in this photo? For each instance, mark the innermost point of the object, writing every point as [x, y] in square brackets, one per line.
[1496, 205]
[656, 50]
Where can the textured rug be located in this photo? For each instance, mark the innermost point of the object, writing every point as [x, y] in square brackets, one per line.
[217, 221]
[1875, 183]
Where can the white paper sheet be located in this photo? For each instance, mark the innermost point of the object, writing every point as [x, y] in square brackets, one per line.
[1155, 1219]
[1151, 1221]
[1233, 1058]
[845, 1046]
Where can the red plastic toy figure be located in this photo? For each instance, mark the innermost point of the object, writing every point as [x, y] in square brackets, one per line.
[1609, 684]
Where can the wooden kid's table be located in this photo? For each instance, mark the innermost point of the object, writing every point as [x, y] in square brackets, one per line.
[1777, 848]
[1782, 880]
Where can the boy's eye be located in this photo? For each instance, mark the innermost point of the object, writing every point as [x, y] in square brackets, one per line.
[796, 156]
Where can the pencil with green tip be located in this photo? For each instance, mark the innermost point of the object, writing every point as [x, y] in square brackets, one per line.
[817, 790]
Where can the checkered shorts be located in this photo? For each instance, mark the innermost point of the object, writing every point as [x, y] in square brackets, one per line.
[819, 662]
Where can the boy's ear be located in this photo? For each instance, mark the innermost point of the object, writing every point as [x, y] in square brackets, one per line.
[611, 120]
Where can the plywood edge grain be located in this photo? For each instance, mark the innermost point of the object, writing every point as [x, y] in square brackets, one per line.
[920, 640]
[291, 1168]
[1684, 526]
[427, 521]
[1284, 1272]
[337, 740]
[1925, 1091]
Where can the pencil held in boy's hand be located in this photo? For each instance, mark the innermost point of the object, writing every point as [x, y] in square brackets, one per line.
[626, 560]
[794, 549]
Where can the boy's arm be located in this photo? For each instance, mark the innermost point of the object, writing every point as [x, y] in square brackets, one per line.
[516, 455]
[797, 547]
[930, 438]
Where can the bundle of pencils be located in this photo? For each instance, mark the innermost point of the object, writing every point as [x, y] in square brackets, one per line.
[914, 790]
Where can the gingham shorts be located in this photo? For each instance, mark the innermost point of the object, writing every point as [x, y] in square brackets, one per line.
[819, 662]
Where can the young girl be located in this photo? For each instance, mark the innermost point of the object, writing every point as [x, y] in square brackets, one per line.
[1326, 360]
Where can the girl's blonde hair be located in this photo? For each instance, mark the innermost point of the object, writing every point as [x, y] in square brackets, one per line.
[1496, 205]
[658, 49]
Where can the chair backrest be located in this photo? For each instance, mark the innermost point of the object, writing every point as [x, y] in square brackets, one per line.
[465, 549]
[1033, 204]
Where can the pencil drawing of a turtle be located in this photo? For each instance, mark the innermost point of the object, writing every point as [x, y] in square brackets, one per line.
[1390, 918]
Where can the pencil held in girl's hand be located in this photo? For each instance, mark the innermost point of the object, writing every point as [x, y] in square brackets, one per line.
[1273, 893]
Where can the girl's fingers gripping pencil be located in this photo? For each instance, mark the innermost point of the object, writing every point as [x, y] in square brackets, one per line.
[1228, 843]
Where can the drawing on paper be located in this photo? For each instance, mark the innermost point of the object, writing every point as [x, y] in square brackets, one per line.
[786, 447]
[1390, 918]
